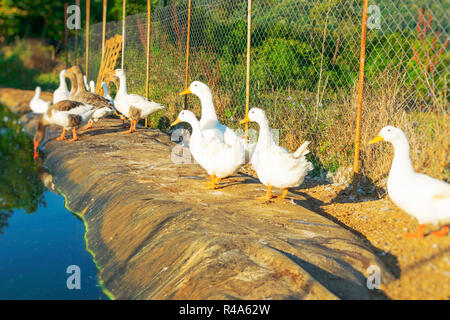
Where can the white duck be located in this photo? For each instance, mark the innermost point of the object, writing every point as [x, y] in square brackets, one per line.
[38, 105]
[86, 85]
[219, 159]
[209, 123]
[92, 86]
[62, 93]
[133, 106]
[425, 198]
[274, 165]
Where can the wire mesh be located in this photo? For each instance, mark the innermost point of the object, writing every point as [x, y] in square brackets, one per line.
[304, 60]
[312, 46]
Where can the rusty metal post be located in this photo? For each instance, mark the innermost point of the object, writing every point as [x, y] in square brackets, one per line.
[66, 34]
[247, 84]
[360, 98]
[105, 6]
[147, 78]
[187, 52]
[124, 12]
[77, 2]
[88, 12]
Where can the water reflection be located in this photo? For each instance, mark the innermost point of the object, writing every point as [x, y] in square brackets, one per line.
[20, 184]
[44, 175]
[35, 250]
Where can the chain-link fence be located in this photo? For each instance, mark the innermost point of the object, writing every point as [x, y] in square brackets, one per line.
[304, 68]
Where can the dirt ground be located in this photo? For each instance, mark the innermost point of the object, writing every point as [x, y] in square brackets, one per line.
[421, 265]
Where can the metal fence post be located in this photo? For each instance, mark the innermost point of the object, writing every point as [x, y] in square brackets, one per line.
[77, 3]
[124, 12]
[66, 34]
[88, 11]
[187, 52]
[147, 76]
[247, 84]
[360, 98]
[105, 5]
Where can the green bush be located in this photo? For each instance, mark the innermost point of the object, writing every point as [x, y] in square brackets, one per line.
[27, 63]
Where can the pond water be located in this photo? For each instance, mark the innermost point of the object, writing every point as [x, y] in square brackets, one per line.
[39, 238]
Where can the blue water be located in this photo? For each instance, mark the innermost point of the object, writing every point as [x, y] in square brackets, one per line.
[36, 249]
[39, 237]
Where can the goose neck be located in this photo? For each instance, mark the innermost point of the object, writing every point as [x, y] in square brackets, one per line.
[208, 111]
[62, 82]
[74, 88]
[265, 134]
[402, 161]
[122, 85]
[80, 84]
[196, 135]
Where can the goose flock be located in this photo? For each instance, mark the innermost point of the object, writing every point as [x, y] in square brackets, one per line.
[221, 151]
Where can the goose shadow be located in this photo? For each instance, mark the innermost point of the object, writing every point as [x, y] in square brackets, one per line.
[97, 131]
[228, 181]
[341, 287]
[313, 204]
[368, 190]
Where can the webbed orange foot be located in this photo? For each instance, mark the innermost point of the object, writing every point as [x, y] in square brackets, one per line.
[62, 136]
[268, 195]
[441, 233]
[212, 184]
[74, 136]
[418, 234]
[132, 127]
[283, 196]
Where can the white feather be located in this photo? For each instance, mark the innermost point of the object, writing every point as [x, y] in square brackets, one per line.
[425, 198]
[123, 100]
[37, 105]
[217, 158]
[209, 123]
[274, 165]
[62, 93]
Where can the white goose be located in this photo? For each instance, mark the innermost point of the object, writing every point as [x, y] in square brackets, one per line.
[209, 123]
[86, 85]
[37, 105]
[70, 115]
[133, 106]
[274, 165]
[219, 159]
[425, 198]
[62, 93]
[92, 86]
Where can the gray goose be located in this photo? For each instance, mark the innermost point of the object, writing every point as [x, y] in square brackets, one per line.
[80, 94]
[70, 115]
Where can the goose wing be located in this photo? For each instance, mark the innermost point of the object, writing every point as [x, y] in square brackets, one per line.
[65, 105]
[92, 99]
